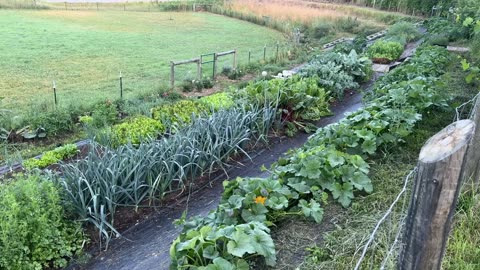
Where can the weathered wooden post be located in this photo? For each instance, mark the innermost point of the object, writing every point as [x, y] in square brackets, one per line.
[55, 93]
[434, 197]
[472, 159]
[199, 69]
[121, 86]
[214, 65]
[172, 74]
[276, 56]
[249, 56]
[264, 52]
[235, 59]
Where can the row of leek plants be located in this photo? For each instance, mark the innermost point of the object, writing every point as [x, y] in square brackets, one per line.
[331, 164]
[197, 138]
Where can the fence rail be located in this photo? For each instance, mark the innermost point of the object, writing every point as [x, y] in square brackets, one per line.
[211, 63]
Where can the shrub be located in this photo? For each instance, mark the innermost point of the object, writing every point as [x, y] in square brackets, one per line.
[104, 114]
[187, 85]
[54, 122]
[52, 157]
[404, 29]
[320, 30]
[347, 24]
[438, 39]
[35, 234]
[207, 82]
[135, 130]
[235, 74]
[385, 51]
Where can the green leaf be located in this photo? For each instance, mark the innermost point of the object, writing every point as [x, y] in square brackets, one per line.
[210, 253]
[263, 244]
[465, 64]
[299, 186]
[361, 182]
[310, 168]
[277, 202]
[248, 216]
[240, 244]
[369, 146]
[343, 193]
[335, 159]
[235, 201]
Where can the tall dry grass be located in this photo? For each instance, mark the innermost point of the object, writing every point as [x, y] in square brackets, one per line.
[308, 12]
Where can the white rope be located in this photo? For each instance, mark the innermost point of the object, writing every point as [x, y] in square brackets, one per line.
[457, 112]
[389, 211]
[397, 237]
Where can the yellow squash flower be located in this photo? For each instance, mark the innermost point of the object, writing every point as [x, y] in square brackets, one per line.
[260, 199]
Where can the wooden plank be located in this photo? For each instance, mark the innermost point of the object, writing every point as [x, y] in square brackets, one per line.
[225, 53]
[434, 197]
[194, 60]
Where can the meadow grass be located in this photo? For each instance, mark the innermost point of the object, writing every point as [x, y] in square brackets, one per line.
[85, 51]
[307, 12]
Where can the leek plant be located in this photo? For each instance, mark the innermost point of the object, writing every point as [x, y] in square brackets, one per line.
[143, 174]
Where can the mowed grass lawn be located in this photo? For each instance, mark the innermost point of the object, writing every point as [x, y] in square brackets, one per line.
[85, 51]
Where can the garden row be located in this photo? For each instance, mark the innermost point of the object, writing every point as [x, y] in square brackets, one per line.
[144, 159]
[331, 164]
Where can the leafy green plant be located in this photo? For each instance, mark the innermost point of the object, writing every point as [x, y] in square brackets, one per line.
[104, 114]
[207, 82]
[218, 101]
[35, 233]
[438, 39]
[187, 85]
[51, 157]
[298, 99]
[320, 29]
[385, 51]
[136, 130]
[325, 168]
[177, 114]
[338, 72]
[406, 30]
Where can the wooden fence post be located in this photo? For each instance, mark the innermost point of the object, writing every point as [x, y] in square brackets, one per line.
[472, 159]
[235, 59]
[214, 65]
[434, 197]
[199, 69]
[172, 74]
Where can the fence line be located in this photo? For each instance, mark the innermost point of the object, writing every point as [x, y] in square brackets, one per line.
[266, 54]
[389, 211]
[473, 114]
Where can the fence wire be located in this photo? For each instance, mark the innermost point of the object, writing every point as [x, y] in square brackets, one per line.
[466, 110]
[383, 219]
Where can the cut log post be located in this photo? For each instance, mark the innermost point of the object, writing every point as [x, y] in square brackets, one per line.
[472, 160]
[434, 197]
[172, 74]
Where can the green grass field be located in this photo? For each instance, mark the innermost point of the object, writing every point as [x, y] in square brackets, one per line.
[85, 51]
